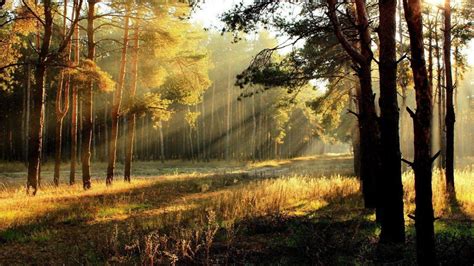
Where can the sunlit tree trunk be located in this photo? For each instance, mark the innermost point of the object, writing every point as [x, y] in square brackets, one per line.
[450, 115]
[422, 164]
[440, 94]
[131, 120]
[115, 113]
[62, 105]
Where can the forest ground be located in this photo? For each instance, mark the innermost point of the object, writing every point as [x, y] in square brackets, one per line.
[301, 211]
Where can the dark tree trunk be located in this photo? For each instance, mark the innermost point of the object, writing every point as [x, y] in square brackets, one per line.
[450, 115]
[424, 218]
[38, 96]
[87, 102]
[368, 127]
[390, 185]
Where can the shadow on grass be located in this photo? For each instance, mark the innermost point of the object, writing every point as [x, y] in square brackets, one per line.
[79, 232]
[341, 233]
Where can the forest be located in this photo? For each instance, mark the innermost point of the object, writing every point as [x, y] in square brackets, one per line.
[241, 132]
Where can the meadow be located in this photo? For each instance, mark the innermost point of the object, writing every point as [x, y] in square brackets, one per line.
[300, 211]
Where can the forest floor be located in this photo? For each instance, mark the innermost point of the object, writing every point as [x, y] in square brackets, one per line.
[301, 211]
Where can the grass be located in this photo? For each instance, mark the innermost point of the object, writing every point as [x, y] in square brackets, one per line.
[276, 212]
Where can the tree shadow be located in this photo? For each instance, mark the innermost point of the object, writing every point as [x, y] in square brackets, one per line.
[340, 233]
[72, 234]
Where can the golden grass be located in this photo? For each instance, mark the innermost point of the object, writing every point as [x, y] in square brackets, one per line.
[187, 197]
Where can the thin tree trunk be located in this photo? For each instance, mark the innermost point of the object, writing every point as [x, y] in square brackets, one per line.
[74, 112]
[87, 100]
[62, 105]
[450, 115]
[424, 217]
[131, 120]
[117, 102]
[439, 90]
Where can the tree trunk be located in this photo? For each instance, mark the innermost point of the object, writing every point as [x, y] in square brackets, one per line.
[131, 120]
[439, 90]
[368, 127]
[424, 218]
[38, 95]
[390, 187]
[87, 102]
[117, 102]
[61, 110]
[72, 173]
[450, 115]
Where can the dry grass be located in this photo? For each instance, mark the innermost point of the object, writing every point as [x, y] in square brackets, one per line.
[174, 210]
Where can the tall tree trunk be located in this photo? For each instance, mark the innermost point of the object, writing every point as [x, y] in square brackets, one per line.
[131, 120]
[390, 187]
[74, 98]
[439, 90]
[38, 96]
[117, 102]
[424, 217]
[450, 115]
[368, 127]
[87, 100]
[62, 105]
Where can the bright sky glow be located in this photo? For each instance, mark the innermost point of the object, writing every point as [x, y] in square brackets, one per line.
[208, 16]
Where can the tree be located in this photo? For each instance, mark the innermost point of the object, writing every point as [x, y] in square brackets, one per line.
[115, 112]
[390, 187]
[423, 161]
[74, 112]
[87, 100]
[45, 58]
[450, 115]
[131, 119]
[62, 105]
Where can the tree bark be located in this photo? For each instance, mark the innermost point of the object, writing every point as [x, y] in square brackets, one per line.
[450, 115]
[368, 127]
[87, 102]
[115, 113]
[422, 164]
[38, 96]
[390, 187]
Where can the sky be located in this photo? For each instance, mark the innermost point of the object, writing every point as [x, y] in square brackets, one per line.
[208, 16]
